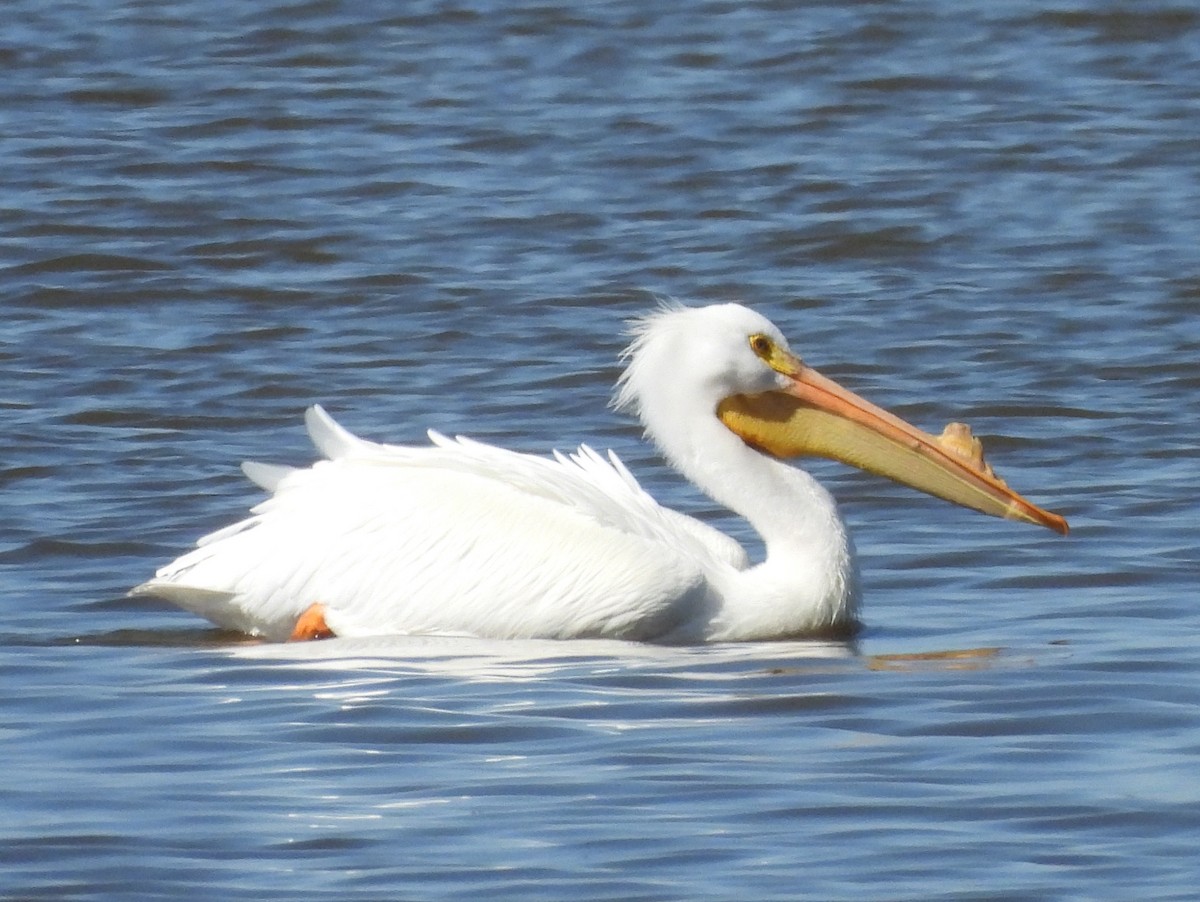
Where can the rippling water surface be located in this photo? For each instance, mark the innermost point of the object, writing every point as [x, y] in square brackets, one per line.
[439, 215]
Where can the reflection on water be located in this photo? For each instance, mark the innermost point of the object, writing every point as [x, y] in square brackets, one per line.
[516, 659]
[952, 659]
[187, 637]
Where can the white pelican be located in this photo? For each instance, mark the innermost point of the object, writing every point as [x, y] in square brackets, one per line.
[459, 537]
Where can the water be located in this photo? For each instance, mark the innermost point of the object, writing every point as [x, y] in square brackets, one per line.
[437, 215]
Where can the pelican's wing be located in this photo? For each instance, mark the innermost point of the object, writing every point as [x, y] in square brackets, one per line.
[457, 537]
[600, 487]
[639, 510]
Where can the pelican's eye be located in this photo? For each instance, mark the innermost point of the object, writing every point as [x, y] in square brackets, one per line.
[762, 346]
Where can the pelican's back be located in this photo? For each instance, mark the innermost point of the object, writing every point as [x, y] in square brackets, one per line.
[457, 537]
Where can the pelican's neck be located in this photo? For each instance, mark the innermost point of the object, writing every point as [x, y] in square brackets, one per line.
[806, 584]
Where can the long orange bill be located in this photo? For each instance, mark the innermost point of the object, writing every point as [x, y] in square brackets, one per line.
[815, 416]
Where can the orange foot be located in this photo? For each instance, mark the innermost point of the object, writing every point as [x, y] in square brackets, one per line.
[311, 625]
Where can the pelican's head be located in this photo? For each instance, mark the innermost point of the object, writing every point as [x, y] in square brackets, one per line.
[728, 362]
[695, 356]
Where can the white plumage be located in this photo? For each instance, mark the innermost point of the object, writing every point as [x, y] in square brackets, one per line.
[459, 537]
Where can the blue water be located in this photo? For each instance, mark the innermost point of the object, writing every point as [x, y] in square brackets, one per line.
[440, 215]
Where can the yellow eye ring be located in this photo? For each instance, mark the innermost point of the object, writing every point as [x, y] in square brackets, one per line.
[761, 345]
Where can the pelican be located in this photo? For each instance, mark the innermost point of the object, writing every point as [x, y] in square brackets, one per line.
[463, 538]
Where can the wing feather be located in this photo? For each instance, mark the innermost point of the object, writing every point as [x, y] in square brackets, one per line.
[266, 476]
[457, 536]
